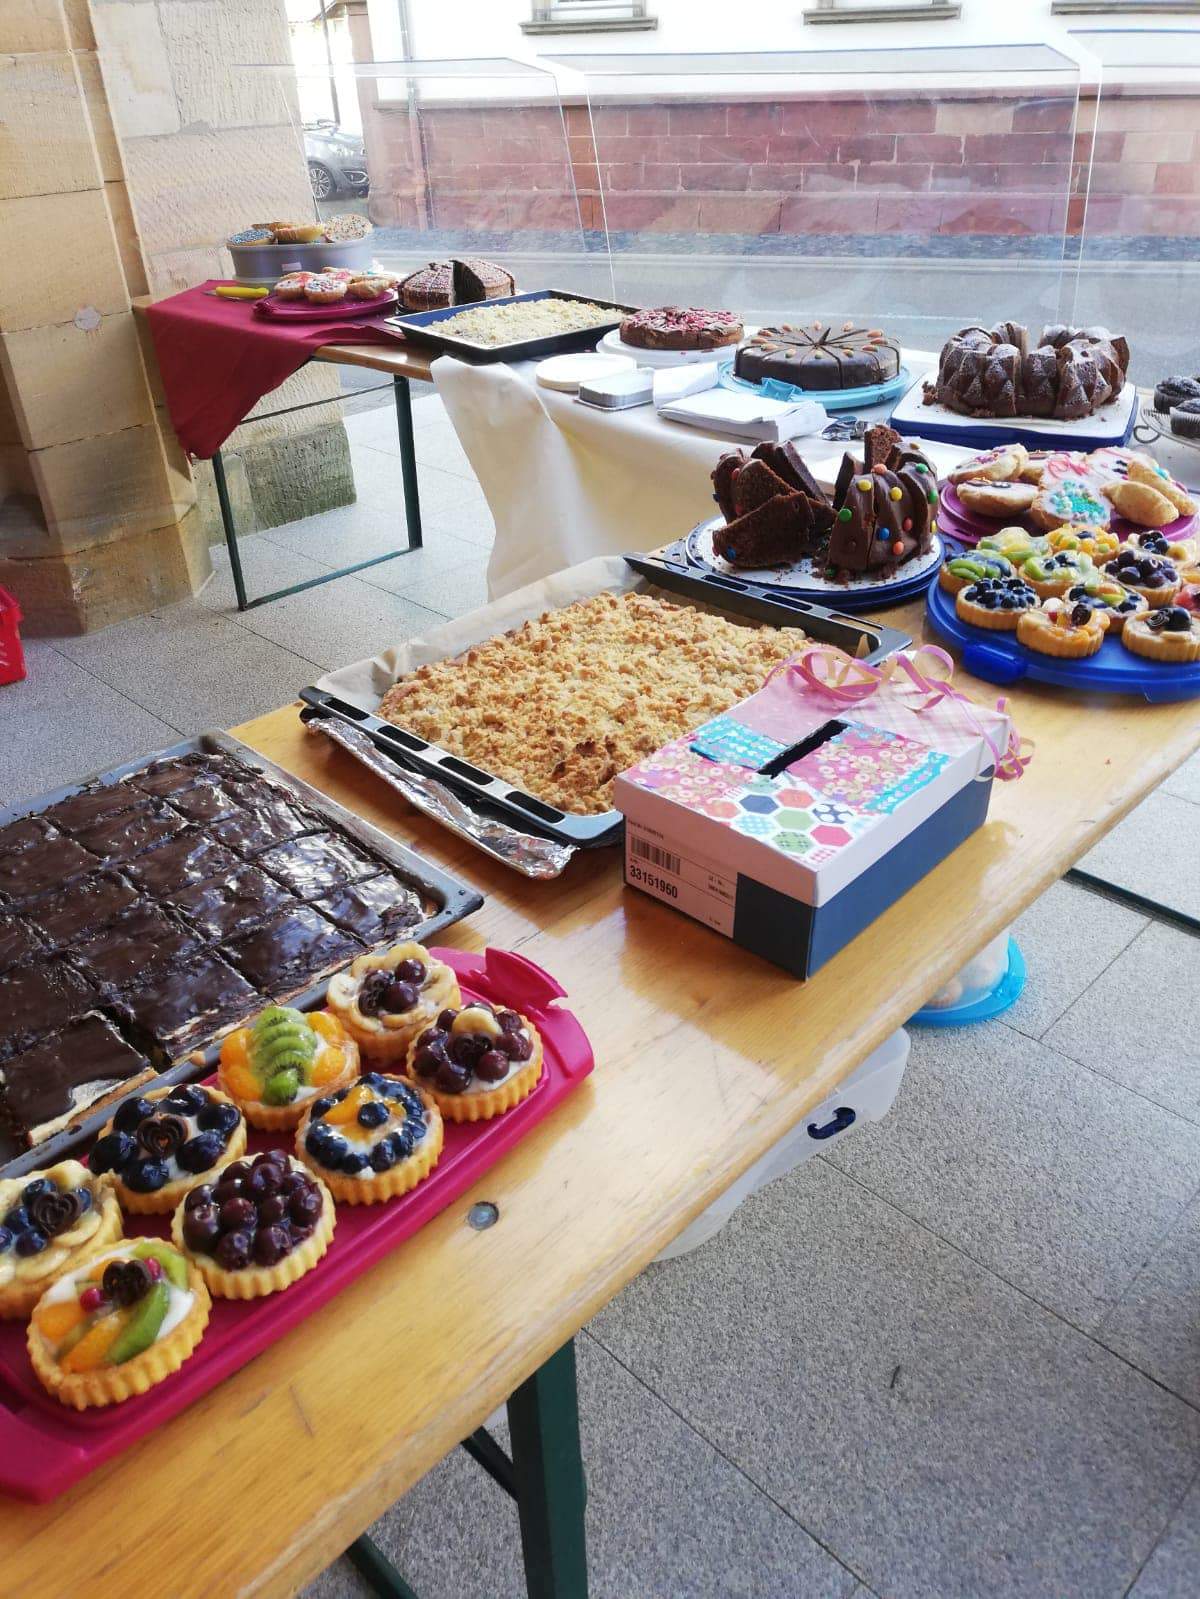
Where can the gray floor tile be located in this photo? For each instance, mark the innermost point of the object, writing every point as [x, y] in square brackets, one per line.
[451, 593]
[472, 521]
[1050, 926]
[60, 724]
[1173, 1570]
[441, 556]
[195, 667]
[936, 1430]
[1056, 1178]
[378, 482]
[1136, 1024]
[667, 1516]
[1185, 783]
[267, 565]
[360, 532]
[1139, 853]
[339, 622]
[436, 441]
[1156, 1325]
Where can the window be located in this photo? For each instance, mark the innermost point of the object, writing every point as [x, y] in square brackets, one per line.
[882, 11]
[588, 16]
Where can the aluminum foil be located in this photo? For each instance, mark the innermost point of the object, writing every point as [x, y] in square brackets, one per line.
[524, 852]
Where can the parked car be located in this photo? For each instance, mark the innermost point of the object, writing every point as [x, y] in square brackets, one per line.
[337, 161]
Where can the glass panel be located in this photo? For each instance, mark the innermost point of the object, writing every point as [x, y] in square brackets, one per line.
[920, 189]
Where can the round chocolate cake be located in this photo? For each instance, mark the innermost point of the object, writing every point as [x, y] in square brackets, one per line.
[1000, 372]
[680, 327]
[819, 357]
[463, 280]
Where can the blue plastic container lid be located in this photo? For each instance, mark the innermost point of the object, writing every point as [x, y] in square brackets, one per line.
[1005, 994]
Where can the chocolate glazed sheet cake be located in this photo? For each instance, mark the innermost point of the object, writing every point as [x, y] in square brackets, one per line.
[147, 913]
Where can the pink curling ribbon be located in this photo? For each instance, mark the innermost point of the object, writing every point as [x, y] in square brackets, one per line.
[845, 681]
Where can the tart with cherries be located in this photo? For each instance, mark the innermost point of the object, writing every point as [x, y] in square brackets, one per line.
[259, 1228]
[372, 1141]
[276, 1067]
[48, 1220]
[477, 1062]
[383, 1001]
[117, 1323]
[159, 1144]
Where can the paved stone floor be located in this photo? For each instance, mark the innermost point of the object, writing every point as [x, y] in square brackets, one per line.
[957, 1356]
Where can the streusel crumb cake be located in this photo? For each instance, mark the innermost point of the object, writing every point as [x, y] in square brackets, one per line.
[562, 704]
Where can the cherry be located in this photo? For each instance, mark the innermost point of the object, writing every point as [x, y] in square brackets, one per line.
[236, 1214]
[400, 997]
[492, 1066]
[274, 1208]
[452, 1077]
[201, 1195]
[271, 1245]
[410, 971]
[201, 1227]
[305, 1208]
[233, 1251]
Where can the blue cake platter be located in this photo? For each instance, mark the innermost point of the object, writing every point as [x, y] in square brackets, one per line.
[1111, 424]
[1002, 997]
[831, 399]
[998, 658]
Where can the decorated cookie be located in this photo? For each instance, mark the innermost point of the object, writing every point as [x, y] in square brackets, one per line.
[1171, 633]
[118, 1322]
[995, 602]
[275, 1067]
[1138, 502]
[963, 569]
[1097, 542]
[1072, 499]
[1014, 543]
[48, 1220]
[327, 288]
[1068, 629]
[1142, 469]
[997, 499]
[992, 466]
[1158, 580]
[258, 1229]
[372, 1141]
[1035, 466]
[1103, 594]
[477, 1062]
[293, 285]
[1054, 574]
[383, 1001]
[159, 1144]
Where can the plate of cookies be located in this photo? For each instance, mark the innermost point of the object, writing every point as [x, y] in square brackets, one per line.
[1084, 618]
[311, 296]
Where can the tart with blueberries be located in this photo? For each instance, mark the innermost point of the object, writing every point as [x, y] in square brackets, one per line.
[383, 1001]
[259, 1228]
[48, 1220]
[1171, 633]
[1155, 578]
[960, 570]
[995, 602]
[1117, 602]
[477, 1062]
[1052, 575]
[372, 1141]
[158, 1145]
[117, 1323]
[278, 1065]
[1068, 629]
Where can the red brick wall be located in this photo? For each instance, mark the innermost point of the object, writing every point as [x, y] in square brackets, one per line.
[945, 166]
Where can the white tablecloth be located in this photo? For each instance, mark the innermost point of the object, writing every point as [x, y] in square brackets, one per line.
[565, 481]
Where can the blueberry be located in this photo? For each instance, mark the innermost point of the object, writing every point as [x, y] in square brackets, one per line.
[218, 1119]
[410, 971]
[404, 1141]
[372, 1114]
[272, 1209]
[266, 1178]
[31, 1242]
[147, 1176]
[271, 1245]
[314, 1140]
[352, 1162]
[131, 1113]
[84, 1196]
[320, 1106]
[17, 1219]
[39, 1185]
[6, 1239]
[112, 1151]
[201, 1227]
[304, 1209]
[373, 1079]
[201, 1152]
[383, 1156]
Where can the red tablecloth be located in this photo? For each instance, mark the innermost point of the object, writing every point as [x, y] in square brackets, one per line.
[217, 358]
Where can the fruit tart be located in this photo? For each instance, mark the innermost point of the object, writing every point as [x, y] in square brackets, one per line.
[1155, 542]
[1171, 633]
[383, 1001]
[1152, 576]
[1103, 594]
[1070, 630]
[1098, 542]
[995, 602]
[372, 1141]
[275, 1067]
[1014, 543]
[960, 570]
[48, 1220]
[159, 1144]
[477, 1062]
[259, 1228]
[1052, 575]
[117, 1322]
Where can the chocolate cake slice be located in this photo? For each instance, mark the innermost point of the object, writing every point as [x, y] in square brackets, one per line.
[786, 462]
[38, 997]
[374, 910]
[72, 1071]
[30, 830]
[89, 903]
[136, 942]
[222, 907]
[188, 858]
[130, 833]
[292, 950]
[185, 1006]
[312, 866]
[754, 485]
[772, 535]
[726, 470]
[92, 805]
[260, 825]
[47, 864]
[18, 941]
[207, 800]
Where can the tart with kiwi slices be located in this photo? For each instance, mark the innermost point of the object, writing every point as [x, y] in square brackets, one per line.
[960, 570]
[477, 1062]
[158, 1144]
[48, 1220]
[117, 1323]
[259, 1228]
[274, 1068]
[385, 1000]
[372, 1141]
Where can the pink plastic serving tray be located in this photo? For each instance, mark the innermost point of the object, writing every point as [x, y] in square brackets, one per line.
[968, 527]
[46, 1448]
[336, 311]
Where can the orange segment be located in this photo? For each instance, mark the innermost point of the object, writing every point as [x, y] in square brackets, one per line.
[57, 1320]
[235, 1051]
[241, 1081]
[89, 1352]
[328, 1064]
[348, 1109]
[323, 1022]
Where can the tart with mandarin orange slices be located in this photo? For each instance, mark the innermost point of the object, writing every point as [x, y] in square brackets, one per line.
[117, 1323]
[372, 1141]
[477, 1062]
[277, 1066]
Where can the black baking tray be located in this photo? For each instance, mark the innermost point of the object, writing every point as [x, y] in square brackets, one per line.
[422, 328]
[867, 640]
[447, 898]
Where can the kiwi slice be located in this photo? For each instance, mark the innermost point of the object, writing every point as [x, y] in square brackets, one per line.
[282, 1042]
[140, 1331]
[282, 1087]
[172, 1262]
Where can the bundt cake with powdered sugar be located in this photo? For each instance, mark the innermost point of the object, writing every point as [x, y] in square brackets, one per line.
[996, 371]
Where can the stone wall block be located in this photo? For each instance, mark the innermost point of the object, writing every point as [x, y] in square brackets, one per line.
[74, 231]
[69, 382]
[43, 111]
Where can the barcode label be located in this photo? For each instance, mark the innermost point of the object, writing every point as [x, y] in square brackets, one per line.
[643, 848]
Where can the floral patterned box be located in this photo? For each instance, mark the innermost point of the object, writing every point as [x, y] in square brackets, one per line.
[793, 820]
